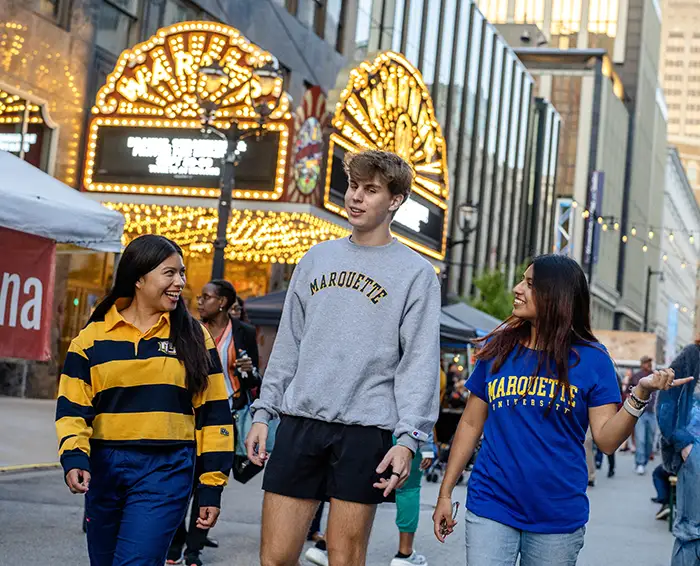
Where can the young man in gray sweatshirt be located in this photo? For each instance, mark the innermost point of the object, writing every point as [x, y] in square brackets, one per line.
[356, 359]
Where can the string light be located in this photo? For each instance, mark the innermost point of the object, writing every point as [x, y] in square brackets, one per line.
[645, 248]
[633, 231]
[651, 234]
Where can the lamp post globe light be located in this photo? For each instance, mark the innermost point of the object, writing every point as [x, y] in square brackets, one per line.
[468, 215]
[264, 95]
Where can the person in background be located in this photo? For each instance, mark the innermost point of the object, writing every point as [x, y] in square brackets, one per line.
[645, 429]
[611, 457]
[140, 393]
[662, 484]
[408, 508]
[679, 421]
[232, 338]
[238, 312]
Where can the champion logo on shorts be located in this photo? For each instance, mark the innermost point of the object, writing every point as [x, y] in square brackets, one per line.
[416, 434]
[223, 432]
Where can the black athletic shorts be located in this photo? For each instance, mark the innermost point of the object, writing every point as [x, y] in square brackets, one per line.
[318, 460]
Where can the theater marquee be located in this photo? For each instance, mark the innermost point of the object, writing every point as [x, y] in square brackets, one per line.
[146, 135]
[386, 105]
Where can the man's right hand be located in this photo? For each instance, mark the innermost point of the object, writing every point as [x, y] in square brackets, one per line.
[78, 481]
[256, 442]
[686, 452]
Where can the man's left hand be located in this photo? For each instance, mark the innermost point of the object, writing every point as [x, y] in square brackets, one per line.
[399, 460]
[425, 463]
[207, 517]
[244, 364]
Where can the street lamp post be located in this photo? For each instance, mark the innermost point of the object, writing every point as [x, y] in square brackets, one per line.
[265, 79]
[467, 214]
[650, 272]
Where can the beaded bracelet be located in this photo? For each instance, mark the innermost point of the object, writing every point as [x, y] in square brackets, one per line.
[638, 400]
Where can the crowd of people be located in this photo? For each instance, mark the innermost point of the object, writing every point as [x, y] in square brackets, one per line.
[150, 398]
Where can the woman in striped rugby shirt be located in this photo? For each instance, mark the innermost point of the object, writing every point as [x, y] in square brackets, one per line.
[141, 392]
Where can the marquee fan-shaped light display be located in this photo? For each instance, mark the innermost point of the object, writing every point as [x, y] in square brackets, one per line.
[157, 84]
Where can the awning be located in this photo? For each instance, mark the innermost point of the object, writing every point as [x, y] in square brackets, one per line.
[36, 203]
[481, 322]
[267, 310]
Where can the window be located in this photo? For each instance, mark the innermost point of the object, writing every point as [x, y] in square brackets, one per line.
[430, 40]
[530, 11]
[365, 25]
[676, 49]
[115, 23]
[413, 36]
[398, 25]
[310, 13]
[56, 10]
[693, 64]
[333, 30]
[175, 11]
[692, 173]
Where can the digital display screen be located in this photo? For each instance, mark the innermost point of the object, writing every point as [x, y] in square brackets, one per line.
[172, 157]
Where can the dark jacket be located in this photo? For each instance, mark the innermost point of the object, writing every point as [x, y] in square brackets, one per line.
[244, 337]
[674, 406]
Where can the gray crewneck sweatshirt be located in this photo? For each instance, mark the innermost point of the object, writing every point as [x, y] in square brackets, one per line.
[358, 342]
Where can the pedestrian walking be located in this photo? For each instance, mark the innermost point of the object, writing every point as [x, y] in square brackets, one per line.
[542, 378]
[645, 429]
[141, 391]
[679, 422]
[356, 358]
[238, 351]
[662, 484]
[408, 508]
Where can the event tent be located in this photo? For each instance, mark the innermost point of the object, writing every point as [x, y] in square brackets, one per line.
[36, 203]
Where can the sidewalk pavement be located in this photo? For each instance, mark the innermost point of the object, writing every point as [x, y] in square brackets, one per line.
[28, 433]
[621, 531]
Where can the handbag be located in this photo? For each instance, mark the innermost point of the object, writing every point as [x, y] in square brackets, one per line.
[243, 469]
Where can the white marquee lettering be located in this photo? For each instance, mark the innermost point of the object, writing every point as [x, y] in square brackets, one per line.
[179, 156]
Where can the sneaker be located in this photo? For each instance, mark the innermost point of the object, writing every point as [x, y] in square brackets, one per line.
[318, 554]
[611, 472]
[175, 560]
[641, 470]
[663, 513]
[192, 561]
[414, 560]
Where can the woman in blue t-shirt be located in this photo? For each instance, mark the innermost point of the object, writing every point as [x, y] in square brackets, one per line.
[541, 379]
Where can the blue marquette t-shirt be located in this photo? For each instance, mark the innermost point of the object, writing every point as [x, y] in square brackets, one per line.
[531, 470]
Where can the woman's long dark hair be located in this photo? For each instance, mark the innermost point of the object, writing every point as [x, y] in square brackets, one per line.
[563, 320]
[140, 257]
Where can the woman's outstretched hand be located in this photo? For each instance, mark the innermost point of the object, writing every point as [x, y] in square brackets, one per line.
[662, 380]
[443, 523]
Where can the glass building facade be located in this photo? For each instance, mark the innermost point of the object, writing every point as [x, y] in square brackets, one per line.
[484, 101]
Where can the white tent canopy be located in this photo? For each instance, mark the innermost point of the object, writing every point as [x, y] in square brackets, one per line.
[36, 203]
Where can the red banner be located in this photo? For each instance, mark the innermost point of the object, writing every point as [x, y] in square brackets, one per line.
[27, 270]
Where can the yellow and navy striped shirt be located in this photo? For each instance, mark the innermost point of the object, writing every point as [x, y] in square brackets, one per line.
[122, 387]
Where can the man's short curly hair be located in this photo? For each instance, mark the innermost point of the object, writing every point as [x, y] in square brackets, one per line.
[392, 169]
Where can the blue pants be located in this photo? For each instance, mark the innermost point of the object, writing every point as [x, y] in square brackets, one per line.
[137, 498]
[662, 485]
[644, 434]
[490, 543]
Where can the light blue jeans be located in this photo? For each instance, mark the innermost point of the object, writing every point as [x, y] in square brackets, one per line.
[490, 543]
[644, 434]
